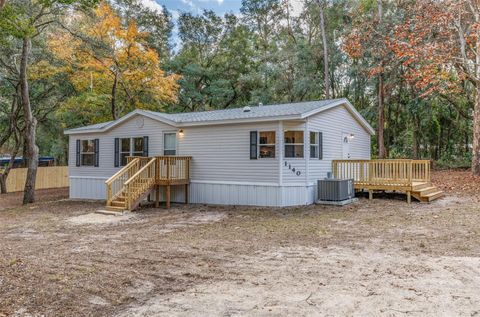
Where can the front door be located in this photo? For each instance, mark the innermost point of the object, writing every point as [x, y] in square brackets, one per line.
[346, 146]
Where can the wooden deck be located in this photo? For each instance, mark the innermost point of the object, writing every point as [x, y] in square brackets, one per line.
[409, 176]
[145, 175]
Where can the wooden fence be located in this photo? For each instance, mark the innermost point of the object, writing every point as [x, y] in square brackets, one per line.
[47, 177]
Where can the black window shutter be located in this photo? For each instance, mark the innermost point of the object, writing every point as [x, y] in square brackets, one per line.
[320, 145]
[253, 145]
[78, 153]
[97, 149]
[145, 146]
[116, 158]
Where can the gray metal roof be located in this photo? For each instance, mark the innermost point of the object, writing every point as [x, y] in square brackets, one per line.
[296, 110]
[92, 127]
[275, 110]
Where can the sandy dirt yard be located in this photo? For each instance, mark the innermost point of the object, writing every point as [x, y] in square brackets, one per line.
[372, 258]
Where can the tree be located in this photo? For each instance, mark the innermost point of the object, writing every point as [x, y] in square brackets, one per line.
[25, 20]
[325, 49]
[156, 25]
[216, 62]
[440, 44]
[368, 40]
[105, 58]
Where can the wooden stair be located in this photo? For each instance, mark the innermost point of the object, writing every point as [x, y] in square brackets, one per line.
[119, 203]
[426, 192]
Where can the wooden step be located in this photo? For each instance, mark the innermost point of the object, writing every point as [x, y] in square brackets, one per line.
[113, 208]
[419, 186]
[427, 190]
[433, 196]
[117, 203]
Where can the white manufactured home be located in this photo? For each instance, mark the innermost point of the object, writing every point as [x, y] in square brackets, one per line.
[268, 155]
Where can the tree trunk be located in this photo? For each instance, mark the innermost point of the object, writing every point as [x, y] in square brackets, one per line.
[2, 4]
[325, 52]
[416, 143]
[30, 126]
[381, 96]
[381, 118]
[114, 97]
[476, 129]
[476, 108]
[4, 175]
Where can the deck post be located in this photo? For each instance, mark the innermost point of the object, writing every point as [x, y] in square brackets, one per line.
[409, 197]
[168, 196]
[186, 193]
[157, 196]
[370, 194]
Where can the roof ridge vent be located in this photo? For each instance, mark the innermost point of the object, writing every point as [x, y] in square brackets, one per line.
[247, 109]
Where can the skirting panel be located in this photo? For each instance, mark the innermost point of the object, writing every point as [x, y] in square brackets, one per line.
[234, 194]
[211, 193]
[88, 188]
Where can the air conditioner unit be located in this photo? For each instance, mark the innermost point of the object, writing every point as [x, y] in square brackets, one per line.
[332, 189]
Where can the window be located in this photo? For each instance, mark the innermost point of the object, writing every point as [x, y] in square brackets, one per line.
[294, 144]
[137, 147]
[130, 147]
[314, 145]
[87, 153]
[170, 143]
[266, 144]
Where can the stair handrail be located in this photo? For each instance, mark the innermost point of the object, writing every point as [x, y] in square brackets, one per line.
[117, 174]
[132, 165]
[136, 178]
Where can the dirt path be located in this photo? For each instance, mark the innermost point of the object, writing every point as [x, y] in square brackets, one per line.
[380, 257]
[332, 282]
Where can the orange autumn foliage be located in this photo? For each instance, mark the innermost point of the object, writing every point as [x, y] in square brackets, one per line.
[107, 57]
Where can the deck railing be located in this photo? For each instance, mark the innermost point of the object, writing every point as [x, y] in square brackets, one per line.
[394, 173]
[141, 173]
[172, 169]
[138, 184]
[115, 184]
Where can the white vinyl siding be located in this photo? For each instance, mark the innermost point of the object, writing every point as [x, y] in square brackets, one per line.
[333, 123]
[222, 153]
[128, 129]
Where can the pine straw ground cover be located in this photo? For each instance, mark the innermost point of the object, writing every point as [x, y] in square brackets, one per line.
[380, 257]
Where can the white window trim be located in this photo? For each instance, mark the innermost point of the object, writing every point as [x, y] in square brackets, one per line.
[90, 153]
[258, 145]
[131, 150]
[315, 144]
[176, 141]
[285, 144]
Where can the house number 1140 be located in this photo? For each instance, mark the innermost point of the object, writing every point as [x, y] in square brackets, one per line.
[298, 173]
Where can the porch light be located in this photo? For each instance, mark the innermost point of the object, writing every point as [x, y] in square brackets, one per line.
[180, 132]
[351, 136]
